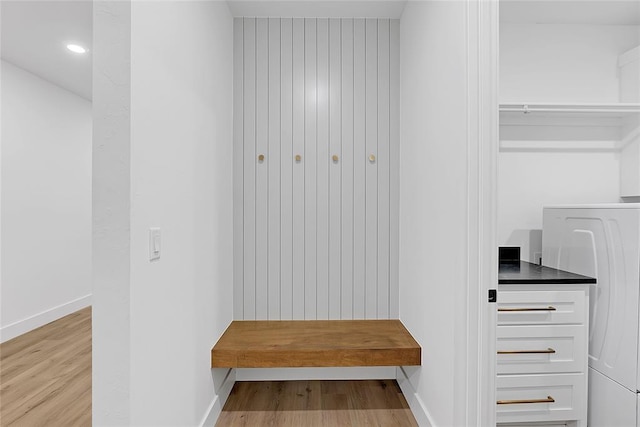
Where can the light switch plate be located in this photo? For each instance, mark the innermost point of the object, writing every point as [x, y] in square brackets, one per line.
[154, 244]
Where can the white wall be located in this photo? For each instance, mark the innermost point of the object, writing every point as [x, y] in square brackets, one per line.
[111, 213]
[433, 200]
[180, 180]
[46, 206]
[541, 165]
[181, 61]
[562, 63]
[316, 238]
[530, 180]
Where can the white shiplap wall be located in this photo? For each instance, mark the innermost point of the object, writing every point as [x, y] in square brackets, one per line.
[316, 238]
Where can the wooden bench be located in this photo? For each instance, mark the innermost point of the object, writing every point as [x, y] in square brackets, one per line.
[315, 343]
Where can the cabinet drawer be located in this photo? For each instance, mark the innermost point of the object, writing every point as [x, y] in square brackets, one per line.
[539, 398]
[555, 424]
[541, 307]
[539, 349]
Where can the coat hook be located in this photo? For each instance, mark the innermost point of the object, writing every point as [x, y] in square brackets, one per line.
[261, 158]
[372, 158]
[335, 158]
[298, 157]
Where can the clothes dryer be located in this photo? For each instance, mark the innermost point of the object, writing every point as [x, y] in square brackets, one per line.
[603, 241]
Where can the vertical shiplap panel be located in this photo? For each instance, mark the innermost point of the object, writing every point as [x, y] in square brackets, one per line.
[318, 237]
[335, 136]
[287, 167]
[383, 168]
[262, 166]
[249, 138]
[346, 308]
[322, 254]
[394, 166]
[310, 169]
[360, 164]
[275, 168]
[371, 119]
[238, 170]
[298, 169]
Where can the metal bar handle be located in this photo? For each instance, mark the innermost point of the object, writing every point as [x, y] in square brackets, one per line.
[547, 351]
[549, 399]
[550, 308]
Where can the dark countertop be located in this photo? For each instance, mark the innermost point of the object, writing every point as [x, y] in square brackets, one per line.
[528, 273]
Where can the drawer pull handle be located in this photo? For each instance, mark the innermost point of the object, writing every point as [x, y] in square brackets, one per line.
[550, 308]
[547, 351]
[549, 399]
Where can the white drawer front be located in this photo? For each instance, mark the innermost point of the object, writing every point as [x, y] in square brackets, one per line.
[559, 424]
[541, 307]
[568, 392]
[539, 349]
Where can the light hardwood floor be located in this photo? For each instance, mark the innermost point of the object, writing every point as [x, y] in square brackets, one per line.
[45, 379]
[316, 403]
[45, 375]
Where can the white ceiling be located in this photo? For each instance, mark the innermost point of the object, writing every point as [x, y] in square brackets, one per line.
[35, 35]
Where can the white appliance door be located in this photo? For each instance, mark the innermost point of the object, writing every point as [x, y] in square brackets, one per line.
[602, 243]
[610, 404]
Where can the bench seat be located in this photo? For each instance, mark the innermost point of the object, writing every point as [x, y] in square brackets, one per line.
[315, 343]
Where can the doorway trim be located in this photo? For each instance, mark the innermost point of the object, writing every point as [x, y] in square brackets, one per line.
[482, 139]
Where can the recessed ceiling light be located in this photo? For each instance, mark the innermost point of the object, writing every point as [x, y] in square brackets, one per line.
[76, 48]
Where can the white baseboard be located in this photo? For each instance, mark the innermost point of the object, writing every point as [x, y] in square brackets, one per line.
[215, 408]
[292, 374]
[416, 404]
[30, 323]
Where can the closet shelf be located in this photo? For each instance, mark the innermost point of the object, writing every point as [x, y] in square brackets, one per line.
[586, 111]
[538, 126]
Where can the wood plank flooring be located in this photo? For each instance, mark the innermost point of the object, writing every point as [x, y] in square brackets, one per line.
[315, 343]
[316, 403]
[45, 380]
[45, 375]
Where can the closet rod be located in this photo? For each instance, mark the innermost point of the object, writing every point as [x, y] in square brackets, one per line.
[534, 109]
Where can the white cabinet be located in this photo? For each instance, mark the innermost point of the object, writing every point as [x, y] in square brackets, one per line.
[629, 71]
[542, 345]
[630, 169]
[539, 349]
[557, 397]
[550, 307]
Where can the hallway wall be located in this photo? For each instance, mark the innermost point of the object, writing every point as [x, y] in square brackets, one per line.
[181, 61]
[46, 202]
[316, 236]
[434, 209]
[163, 149]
